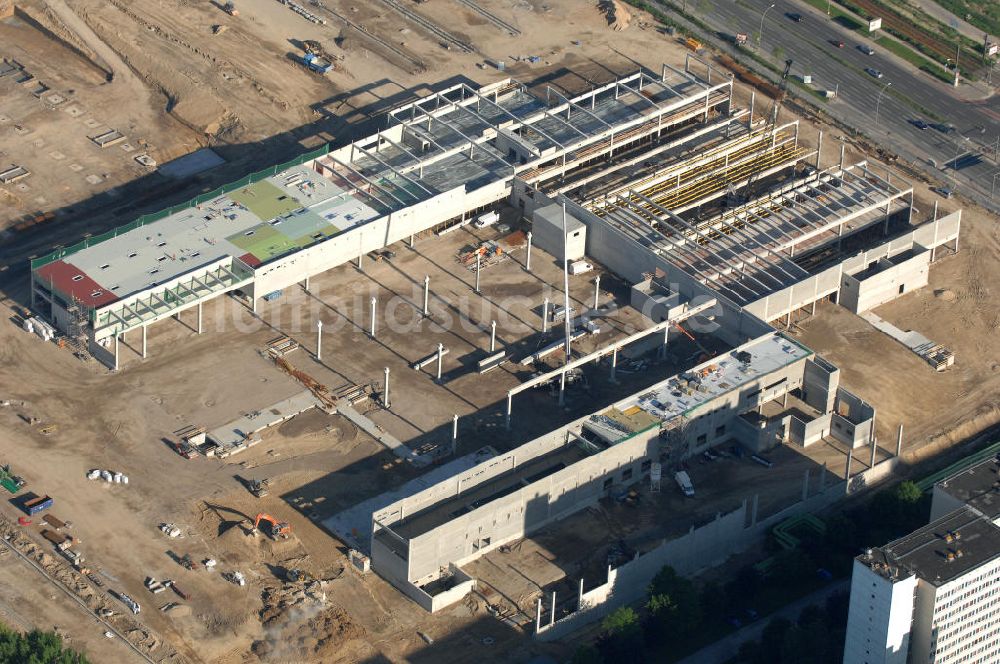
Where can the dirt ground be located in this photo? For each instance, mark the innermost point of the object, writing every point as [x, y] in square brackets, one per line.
[958, 309]
[177, 86]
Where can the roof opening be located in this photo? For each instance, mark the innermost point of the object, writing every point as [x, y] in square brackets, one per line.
[78, 277]
[154, 270]
[161, 259]
[249, 233]
[161, 244]
[133, 255]
[106, 266]
[97, 293]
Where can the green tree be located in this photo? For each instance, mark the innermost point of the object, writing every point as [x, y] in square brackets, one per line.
[622, 636]
[35, 647]
[587, 654]
[908, 493]
[674, 604]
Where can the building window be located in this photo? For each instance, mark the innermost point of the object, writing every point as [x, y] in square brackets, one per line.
[702, 439]
[626, 474]
[720, 431]
[646, 465]
[608, 482]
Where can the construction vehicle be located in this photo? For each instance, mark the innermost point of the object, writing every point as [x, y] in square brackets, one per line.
[230, 8]
[316, 63]
[9, 481]
[295, 575]
[260, 488]
[37, 504]
[772, 120]
[489, 253]
[684, 482]
[277, 529]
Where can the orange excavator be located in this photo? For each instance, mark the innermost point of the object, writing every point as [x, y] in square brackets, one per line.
[278, 529]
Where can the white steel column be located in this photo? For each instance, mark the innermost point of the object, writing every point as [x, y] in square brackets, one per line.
[597, 291]
[385, 392]
[527, 259]
[144, 342]
[510, 405]
[372, 331]
[614, 364]
[199, 318]
[493, 336]
[116, 351]
[454, 434]
[319, 340]
[440, 359]
[427, 286]
[545, 315]
[479, 264]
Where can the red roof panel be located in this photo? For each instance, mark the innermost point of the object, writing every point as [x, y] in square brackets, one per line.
[71, 281]
[251, 260]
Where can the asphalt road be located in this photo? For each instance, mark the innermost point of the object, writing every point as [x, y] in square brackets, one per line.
[727, 647]
[913, 94]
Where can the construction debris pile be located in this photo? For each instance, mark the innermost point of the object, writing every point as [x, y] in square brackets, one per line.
[300, 625]
[87, 587]
[618, 16]
[109, 476]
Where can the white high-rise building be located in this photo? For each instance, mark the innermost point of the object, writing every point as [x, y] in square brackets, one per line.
[930, 597]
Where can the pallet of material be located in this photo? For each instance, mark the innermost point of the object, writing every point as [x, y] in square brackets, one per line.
[281, 346]
[13, 174]
[108, 138]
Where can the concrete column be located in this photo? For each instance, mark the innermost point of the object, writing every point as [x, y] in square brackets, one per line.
[440, 359]
[319, 340]
[805, 485]
[579, 601]
[850, 458]
[545, 315]
[562, 388]
[253, 303]
[493, 336]
[527, 258]
[666, 338]
[874, 450]
[427, 287]
[116, 352]
[552, 613]
[144, 342]
[199, 318]
[843, 148]
[899, 440]
[819, 147]
[935, 210]
[479, 265]
[538, 616]
[385, 392]
[614, 364]
[784, 400]
[411, 241]
[305, 286]
[371, 332]
[597, 291]
[510, 405]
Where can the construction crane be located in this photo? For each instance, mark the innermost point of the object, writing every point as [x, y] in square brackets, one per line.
[772, 120]
[278, 529]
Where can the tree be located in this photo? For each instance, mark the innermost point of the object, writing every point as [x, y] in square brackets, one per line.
[908, 493]
[674, 604]
[587, 654]
[622, 637]
[35, 647]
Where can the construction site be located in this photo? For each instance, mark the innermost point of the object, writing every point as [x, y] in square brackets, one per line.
[454, 384]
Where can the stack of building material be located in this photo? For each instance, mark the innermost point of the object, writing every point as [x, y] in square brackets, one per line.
[39, 327]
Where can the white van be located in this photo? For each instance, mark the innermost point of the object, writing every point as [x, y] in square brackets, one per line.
[488, 219]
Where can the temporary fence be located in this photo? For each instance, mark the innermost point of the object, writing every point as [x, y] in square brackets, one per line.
[197, 200]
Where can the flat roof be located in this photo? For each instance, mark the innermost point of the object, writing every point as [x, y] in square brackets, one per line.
[486, 492]
[941, 551]
[977, 486]
[682, 394]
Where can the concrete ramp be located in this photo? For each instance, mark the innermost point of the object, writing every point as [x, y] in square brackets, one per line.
[934, 354]
[381, 435]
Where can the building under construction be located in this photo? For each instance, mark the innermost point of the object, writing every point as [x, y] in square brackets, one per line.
[721, 221]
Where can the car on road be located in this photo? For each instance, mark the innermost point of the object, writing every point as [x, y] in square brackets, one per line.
[919, 123]
[942, 127]
[866, 49]
[792, 16]
[871, 71]
[943, 192]
[837, 42]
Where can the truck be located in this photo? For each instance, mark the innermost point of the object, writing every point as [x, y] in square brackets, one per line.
[316, 63]
[37, 504]
[684, 482]
[127, 601]
[580, 267]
